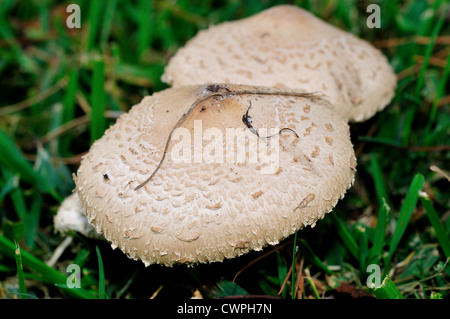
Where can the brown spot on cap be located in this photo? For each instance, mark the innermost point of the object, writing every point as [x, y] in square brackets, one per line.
[257, 194]
[315, 152]
[306, 200]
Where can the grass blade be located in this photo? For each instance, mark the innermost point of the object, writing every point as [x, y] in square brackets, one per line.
[19, 202]
[20, 276]
[307, 250]
[387, 290]
[405, 214]
[12, 158]
[6, 269]
[436, 223]
[380, 233]
[31, 220]
[98, 100]
[228, 288]
[8, 181]
[69, 109]
[282, 272]
[7, 36]
[428, 51]
[363, 247]
[101, 276]
[145, 28]
[436, 295]
[94, 19]
[380, 185]
[410, 114]
[346, 237]
[48, 274]
[311, 282]
[108, 21]
[441, 90]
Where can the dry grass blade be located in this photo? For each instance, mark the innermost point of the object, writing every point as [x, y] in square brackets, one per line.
[33, 100]
[66, 127]
[285, 280]
[299, 283]
[155, 294]
[59, 251]
[73, 160]
[395, 42]
[444, 100]
[436, 169]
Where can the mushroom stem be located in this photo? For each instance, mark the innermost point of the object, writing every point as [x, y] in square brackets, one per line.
[216, 93]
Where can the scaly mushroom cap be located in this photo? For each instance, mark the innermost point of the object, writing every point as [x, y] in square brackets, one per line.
[287, 47]
[207, 202]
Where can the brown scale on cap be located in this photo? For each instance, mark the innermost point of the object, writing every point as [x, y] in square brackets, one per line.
[287, 47]
[198, 212]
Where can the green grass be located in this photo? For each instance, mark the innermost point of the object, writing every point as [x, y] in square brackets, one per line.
[388, 290]
[404, 216]
[98, 101]
[379, 234]
[441, 234]
[59, 88]
[13, 159]
[20, 275]
[43, 272]
[101, 276]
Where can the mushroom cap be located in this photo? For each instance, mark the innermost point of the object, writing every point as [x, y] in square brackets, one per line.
[200, 208]
[287, 47]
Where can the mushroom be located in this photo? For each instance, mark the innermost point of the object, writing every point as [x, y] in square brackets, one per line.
[70, 217]
[287, 47]
[199, 174]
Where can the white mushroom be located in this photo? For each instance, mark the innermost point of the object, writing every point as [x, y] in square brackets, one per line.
[203, 203]
[70, 217]
[287, 47]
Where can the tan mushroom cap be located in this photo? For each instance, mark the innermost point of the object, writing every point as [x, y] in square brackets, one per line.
[287, 47]
[207, 210]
